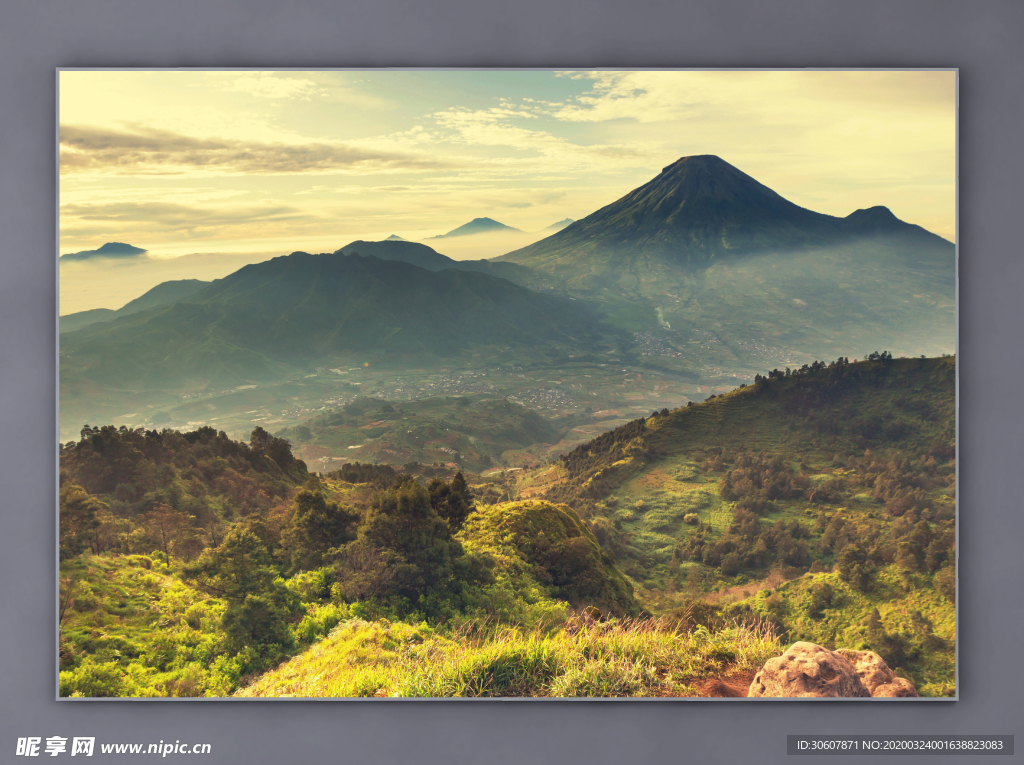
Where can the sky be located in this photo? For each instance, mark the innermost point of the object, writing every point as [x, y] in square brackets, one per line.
[209, 170]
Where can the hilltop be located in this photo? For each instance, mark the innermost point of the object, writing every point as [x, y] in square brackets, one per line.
[426, 257]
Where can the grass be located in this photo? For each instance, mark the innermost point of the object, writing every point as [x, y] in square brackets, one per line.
[644, 657]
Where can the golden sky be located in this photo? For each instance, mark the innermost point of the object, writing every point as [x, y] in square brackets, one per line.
[233, 166]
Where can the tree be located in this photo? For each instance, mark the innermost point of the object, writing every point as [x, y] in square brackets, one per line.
[854, 567]
[78, 521]
[260, 440]
[174, 531]
[452, 501]
[317, 526]
[426, 566]
[259, 603]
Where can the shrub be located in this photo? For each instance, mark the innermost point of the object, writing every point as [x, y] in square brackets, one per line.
[93, 679]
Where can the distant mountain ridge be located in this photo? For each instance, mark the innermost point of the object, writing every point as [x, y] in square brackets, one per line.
[426, 257]
[478, 226]
[559, 225]
[108, 250]
[162, 294]
[271, 317]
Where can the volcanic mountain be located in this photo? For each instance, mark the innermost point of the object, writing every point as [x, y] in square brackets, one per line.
[273, 318]
[704, 248]
[701, 208]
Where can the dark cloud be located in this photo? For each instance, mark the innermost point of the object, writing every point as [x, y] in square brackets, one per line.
[86, 148]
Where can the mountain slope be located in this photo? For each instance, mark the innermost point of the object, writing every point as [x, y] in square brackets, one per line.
[162, 294]
[299, 310]
[847, 468]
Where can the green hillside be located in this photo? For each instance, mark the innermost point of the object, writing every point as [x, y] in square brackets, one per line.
[846, 468]
[474, 433]
[191, 563]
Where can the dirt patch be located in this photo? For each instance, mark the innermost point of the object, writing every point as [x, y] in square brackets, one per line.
[312, 452]
[743, 591]
[731, 686]
[654, 479]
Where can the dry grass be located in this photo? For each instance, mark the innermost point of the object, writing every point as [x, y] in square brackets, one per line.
[584, 658]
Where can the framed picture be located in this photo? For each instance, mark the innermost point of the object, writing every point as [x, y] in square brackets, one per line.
[508, 383]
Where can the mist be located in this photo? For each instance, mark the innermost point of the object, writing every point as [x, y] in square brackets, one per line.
[89, 284]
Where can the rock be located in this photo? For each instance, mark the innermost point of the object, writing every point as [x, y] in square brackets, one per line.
[876, 676]
[807, 670]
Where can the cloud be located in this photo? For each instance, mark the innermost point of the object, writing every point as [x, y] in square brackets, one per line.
[534, 149]
[270, 85]
[168, 216]
[153, 151]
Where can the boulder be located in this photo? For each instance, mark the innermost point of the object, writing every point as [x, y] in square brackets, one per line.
[876, 676]
[807, 670]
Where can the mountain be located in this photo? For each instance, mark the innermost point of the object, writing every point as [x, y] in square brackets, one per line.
[396, 238]
[270, 319]
[559, 225]
[109, 250]
[479, 226]
[701, 208]
[705, 248]
[161, 294]
[426, 257]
